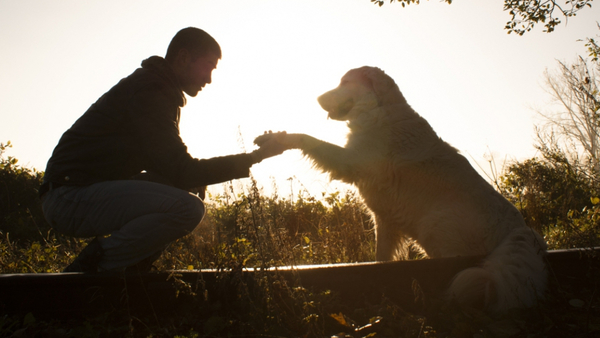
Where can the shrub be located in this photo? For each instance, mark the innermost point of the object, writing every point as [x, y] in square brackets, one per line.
[20, 209]
[558, 197]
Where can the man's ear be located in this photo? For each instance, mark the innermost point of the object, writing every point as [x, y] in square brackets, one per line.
[183, 57]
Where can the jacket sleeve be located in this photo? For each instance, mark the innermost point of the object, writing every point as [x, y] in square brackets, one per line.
[154, 120]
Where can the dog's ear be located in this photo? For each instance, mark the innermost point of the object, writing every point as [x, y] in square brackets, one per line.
[385, 88]
[365, 80]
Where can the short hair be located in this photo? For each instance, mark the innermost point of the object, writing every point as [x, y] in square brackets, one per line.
[196, 41]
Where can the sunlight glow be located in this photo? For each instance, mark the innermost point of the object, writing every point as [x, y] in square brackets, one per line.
[454, 63]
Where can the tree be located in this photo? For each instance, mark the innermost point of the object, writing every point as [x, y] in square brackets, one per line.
[593, 47]
[574, 90]
[558, 192]
[525, 14]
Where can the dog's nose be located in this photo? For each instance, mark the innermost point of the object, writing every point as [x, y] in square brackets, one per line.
[325, 101]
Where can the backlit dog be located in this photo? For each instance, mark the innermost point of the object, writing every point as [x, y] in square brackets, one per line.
[419, 188]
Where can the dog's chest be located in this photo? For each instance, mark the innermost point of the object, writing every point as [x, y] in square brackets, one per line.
[370, 147]
[380, 187]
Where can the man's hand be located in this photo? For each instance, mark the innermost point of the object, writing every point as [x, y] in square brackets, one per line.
[270, 136]
[199, 191]
[270, 145]
[288, 141]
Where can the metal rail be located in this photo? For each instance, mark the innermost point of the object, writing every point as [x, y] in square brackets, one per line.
[407, 283]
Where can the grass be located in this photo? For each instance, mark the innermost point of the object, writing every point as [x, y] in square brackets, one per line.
[247, 229]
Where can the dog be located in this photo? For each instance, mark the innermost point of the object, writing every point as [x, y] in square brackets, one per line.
[421, 190]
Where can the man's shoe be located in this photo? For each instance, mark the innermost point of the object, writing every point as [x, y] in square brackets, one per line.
[145, 265]
[88, 259]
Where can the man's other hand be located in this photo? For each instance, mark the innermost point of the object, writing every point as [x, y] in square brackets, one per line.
[200, 191]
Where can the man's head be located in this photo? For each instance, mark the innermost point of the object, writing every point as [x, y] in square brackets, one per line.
[193, 54]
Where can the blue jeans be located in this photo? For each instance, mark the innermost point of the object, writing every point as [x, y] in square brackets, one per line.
[133, 219]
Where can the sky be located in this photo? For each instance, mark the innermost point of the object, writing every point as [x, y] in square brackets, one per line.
[478, 86]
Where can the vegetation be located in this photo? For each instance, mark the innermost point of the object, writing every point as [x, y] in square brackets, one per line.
[593, 47]
[557, 197]
[525, 14]
[20, 211]
[558, 191]
[247, 229]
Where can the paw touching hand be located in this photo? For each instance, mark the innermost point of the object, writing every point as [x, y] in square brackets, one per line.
[269, 145]
[272, 144]
[270, 137]
[288, 141]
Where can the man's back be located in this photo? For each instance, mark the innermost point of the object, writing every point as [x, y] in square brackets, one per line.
[107, 142]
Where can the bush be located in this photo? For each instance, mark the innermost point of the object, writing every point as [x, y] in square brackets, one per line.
[558, 197]
[20, 208]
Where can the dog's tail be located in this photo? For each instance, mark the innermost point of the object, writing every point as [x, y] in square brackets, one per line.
[513, 275]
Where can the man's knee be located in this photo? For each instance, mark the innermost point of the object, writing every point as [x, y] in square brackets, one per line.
[195, 212]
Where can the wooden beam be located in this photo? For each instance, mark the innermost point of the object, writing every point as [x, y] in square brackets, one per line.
[59, 295]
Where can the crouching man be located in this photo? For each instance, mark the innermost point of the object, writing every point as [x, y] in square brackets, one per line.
[123, 175]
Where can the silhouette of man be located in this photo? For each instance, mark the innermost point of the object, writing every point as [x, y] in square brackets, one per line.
[122, 173]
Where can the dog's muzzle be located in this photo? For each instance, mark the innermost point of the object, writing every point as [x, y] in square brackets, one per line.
[336, 105]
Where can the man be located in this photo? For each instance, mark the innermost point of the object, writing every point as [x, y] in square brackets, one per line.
[123, 175]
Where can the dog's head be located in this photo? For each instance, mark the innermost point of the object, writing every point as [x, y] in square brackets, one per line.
[361, 90]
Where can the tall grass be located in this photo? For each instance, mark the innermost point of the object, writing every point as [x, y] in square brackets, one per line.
[242, 229]
[251, 230]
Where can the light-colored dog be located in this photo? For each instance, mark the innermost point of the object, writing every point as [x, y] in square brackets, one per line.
[419, 188]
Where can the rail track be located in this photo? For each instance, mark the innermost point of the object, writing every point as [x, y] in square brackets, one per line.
[406, 283]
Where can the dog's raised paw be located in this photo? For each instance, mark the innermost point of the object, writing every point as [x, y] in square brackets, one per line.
[268, 136]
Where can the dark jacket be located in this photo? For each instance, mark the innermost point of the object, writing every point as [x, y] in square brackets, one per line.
[135, 127]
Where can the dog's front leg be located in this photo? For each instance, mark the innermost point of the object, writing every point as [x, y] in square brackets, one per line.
[387, 245]
[330, 158]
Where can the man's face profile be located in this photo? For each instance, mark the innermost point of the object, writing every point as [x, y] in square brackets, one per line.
[197, 73]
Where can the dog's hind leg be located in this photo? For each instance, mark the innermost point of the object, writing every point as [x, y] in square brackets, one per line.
[513, 275]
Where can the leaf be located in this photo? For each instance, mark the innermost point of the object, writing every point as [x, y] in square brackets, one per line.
[29, 319]
[214, 325]
[576, 302]
[340, 318]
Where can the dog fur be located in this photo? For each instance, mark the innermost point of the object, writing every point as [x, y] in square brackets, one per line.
[420, 189]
